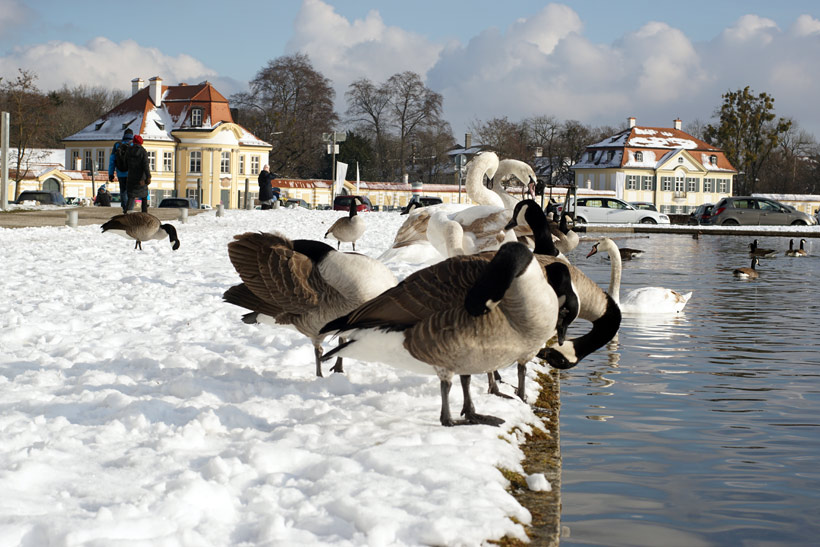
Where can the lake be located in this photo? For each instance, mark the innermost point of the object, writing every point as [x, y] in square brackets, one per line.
[701, 428]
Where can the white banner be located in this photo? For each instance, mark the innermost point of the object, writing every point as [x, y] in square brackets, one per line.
[341, 173]
[357, 178]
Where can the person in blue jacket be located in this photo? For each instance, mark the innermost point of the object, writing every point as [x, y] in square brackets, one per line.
[122, 176]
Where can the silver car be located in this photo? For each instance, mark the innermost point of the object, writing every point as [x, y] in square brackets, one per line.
[754, 211]
[614, 211]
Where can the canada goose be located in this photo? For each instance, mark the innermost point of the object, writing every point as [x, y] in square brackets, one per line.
[760, 253]
[796, 252]
[141, 227]
[594, 304]
[644, 300]
[466, 315]
[748, 273]
[349, 228]
[303, 283]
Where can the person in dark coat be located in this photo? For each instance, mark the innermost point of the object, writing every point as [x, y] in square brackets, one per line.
[122, 176]
[103, 198]
[265, 188]
[139, 174]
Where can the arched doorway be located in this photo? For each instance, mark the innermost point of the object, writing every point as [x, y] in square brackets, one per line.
[51, 185]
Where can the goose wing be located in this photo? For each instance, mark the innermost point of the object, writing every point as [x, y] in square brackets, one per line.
[430, 291]
[269, 267]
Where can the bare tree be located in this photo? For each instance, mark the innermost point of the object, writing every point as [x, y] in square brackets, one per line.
[368, 111]
[290, 105]
[29, 111]
[74, 109]
[413, 107]
[508, 139]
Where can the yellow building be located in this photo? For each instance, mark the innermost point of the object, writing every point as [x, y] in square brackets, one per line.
[664, 166]
[194, 147]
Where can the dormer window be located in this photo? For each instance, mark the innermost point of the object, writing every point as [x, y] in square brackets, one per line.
[713, 159]
[638, 156]
[160, 125]
[196, 117]
[98, 126]
[610, 155]
[680, 159]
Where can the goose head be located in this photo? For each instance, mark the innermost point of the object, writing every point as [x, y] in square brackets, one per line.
[529, 213]
[511, 260]
[172, 235]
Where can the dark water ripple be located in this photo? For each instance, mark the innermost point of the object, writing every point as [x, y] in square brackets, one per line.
[703, 428]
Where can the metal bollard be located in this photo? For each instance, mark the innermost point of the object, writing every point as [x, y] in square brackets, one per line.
[276, 204]
[72, 218]
[183, 215]
[248, 205]
[220, 210]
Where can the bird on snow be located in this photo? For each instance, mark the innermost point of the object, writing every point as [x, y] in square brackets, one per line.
[141, 227]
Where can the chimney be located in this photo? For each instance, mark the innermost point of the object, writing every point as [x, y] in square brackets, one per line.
[631, 121]
[136, 85]
[155, 90]
[468, 140]
[677, 123]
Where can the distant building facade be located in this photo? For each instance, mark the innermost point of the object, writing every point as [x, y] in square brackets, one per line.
[194, 147]
[664, 166]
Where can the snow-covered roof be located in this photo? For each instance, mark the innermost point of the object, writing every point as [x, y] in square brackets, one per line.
[140, 114]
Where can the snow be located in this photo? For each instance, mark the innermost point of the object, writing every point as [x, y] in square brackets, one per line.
[139, 410]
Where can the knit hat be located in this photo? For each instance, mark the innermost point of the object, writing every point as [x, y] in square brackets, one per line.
[137, 139]
[128, 135]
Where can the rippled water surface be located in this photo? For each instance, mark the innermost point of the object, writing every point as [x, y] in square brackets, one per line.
[701, 428]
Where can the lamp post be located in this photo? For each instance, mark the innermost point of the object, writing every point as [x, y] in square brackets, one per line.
[332, 139]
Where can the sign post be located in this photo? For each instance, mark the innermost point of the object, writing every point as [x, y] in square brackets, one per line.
[333, 148]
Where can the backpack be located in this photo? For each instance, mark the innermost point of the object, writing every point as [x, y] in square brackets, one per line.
[120, 155]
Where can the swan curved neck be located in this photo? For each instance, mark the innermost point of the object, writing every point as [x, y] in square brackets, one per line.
[481, 165]
[615, 275]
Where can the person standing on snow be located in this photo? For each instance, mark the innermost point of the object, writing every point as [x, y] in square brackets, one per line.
[122, 176]
[139, 174]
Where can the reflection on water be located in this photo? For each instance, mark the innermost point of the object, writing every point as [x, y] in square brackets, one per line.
[701, 428]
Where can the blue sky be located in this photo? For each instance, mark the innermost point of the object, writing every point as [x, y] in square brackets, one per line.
[595, 61]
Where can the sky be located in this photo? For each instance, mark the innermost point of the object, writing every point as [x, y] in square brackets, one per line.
[598, 62]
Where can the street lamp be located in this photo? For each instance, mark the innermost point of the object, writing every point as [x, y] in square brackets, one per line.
[333, 148]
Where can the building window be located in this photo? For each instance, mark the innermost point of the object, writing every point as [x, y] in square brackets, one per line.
[638, 156]
[225, 165]
[680, 159]
[196, 161]
[254, 165]
[87, 161]
[631, 182]
[680, 184]
[691, 184]
[666, 184]
[708, 185]
[723, 186]
[610, 155]
[713, 159]
[75, 154]
[647, 182]
[101, 166]
[168, 161]
[196, 117]
[241, 164]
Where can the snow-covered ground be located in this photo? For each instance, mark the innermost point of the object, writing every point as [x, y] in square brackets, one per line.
[139, 410]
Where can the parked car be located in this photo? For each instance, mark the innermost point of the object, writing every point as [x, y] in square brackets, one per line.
[748, 210]
[178, 203]
[342, 203]
[293, 202]
[645, 205]
[44, 197]
[701, 215]
[429, 200]
[614, 211]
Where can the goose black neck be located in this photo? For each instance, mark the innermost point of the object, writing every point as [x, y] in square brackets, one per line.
[508, 263]
[316, 251]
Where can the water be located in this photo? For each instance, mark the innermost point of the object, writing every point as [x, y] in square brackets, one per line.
[702, 428]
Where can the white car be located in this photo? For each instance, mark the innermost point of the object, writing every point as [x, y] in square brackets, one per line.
[605, 210]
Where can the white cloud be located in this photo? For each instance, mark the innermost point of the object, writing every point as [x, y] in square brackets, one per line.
[344, 50]
[751, 28]
[12, 14]
[806, 25]
[101, 63]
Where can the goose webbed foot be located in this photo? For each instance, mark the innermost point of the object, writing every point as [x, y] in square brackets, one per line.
[468, 410]
[493, 379]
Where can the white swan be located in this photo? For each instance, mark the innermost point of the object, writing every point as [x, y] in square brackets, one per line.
[509, 169]
[640, 301]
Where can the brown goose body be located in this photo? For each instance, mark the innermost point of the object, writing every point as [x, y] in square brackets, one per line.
[754, 250]
[748, 273]
[141, 227]
[302, 283]
[347, 229]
